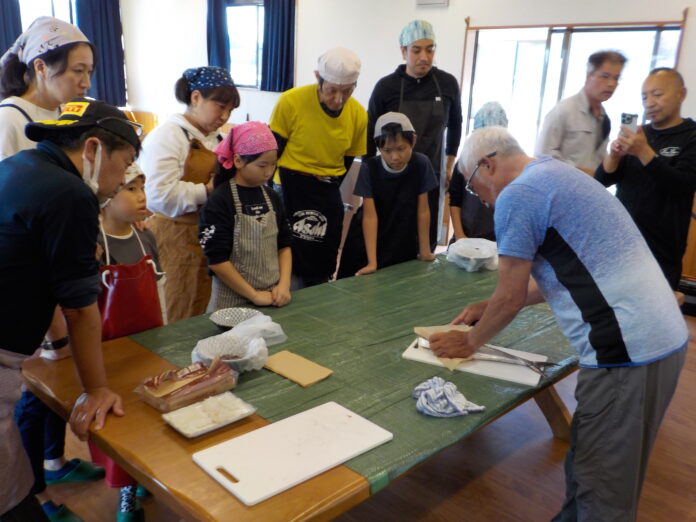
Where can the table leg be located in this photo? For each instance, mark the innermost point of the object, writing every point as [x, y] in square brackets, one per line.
[555, 411]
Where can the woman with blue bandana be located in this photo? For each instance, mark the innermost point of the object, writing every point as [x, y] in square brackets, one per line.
[179, 162]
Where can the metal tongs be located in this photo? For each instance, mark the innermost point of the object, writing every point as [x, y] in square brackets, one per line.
[488, 352]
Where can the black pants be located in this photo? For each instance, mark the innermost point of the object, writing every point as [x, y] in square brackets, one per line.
[28, 510]
[43, 434]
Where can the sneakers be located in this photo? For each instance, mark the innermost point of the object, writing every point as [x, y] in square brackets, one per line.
[59, 513]
[75, 470]
[137, 515]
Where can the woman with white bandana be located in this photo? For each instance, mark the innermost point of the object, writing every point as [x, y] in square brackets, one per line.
[179, 163]
[49, 64]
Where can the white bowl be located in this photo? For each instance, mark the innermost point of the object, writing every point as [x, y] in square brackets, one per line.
[231, 317]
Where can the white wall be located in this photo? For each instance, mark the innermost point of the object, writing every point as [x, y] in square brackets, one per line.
[163, 37]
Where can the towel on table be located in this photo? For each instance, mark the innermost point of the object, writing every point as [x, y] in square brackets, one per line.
[439, 398]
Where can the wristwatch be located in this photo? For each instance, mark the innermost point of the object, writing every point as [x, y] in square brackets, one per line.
[55, 345]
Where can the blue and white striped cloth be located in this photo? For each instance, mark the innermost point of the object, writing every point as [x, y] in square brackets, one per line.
[440, 398]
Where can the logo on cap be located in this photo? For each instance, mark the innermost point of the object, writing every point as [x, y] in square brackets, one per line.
[75, 108]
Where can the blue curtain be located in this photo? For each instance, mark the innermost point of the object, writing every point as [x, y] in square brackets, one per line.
[218, 38]
[100, 20]
[278, 65]
[10, 24]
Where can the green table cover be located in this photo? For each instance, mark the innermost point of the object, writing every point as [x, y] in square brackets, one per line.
[359, 327]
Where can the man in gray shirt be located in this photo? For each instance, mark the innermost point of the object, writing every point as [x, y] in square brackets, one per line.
[576, 130]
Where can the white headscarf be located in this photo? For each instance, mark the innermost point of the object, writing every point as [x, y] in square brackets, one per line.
[44, 34]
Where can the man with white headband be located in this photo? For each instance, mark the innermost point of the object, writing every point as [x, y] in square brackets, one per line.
[320, 128]
[430, 98]
[50, 201]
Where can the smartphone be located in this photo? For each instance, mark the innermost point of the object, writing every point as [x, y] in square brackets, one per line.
[630, 121]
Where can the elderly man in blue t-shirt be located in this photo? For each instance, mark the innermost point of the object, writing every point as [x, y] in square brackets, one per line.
[588, 260]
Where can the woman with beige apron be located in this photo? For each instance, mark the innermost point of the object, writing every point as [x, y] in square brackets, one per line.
[244, 232]
[179, 163]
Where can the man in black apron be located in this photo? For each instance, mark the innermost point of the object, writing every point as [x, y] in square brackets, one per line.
[320, 128]
[431, 99]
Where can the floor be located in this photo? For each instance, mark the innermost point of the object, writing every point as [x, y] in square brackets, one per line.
[512, 470]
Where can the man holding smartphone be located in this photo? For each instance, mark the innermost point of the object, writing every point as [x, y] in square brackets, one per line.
[654, 170]
[576, 130]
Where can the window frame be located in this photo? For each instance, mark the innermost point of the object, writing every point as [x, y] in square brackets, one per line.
[471, 47]
[259, 47]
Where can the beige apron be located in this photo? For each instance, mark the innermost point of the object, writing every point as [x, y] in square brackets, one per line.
[254, 253]
[187, 287]
[17, 477]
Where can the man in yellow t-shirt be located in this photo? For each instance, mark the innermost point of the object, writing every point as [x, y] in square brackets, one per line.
[319, 129]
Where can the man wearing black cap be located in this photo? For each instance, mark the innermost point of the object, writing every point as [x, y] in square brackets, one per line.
[49, 208]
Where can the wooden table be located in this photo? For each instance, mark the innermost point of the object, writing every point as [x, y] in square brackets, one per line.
[160, 459]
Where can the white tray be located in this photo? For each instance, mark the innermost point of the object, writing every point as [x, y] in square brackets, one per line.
[225, 400]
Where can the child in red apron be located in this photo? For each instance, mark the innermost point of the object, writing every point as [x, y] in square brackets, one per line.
[130, 300]
[392, 226]
[243, 230]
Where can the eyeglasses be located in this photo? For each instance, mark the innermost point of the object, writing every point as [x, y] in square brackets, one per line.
[468, 186]
[137, 127]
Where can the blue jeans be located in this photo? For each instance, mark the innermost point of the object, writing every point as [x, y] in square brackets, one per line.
[43, 435]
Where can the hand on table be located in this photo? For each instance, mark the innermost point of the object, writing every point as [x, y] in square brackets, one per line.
[452, 344]
[471, 313]
[281, 295]
[428, 256]
[93, 406]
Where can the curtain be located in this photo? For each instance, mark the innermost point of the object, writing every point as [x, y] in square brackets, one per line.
[10, 24]
[218, 39]
[101, 22]
[278, 64]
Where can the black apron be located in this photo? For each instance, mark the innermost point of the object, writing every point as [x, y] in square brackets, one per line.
[396, 202]
[428, 118]
[315, 210]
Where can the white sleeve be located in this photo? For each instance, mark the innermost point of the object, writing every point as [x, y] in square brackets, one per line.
[10, 128]
[162, 161]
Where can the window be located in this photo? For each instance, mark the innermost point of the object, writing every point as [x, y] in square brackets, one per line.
[529, 70]
[30, 10]
[245, 29]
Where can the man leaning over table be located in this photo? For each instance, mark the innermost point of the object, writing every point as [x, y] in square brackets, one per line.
[49, 208]
[588, 260]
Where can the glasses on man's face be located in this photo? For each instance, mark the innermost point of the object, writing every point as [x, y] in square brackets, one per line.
[468, 186]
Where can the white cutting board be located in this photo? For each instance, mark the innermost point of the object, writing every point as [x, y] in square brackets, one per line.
[276, 457]
[497, 370]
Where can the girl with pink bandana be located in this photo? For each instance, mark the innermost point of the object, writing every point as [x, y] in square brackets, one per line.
[243, 229]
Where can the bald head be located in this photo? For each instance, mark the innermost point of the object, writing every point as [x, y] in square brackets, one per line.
[669, 73]
[663, 95]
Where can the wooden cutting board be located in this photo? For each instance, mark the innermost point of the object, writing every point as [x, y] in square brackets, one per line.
[262, 463]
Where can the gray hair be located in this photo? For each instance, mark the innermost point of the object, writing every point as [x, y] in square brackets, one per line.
[484, 141]
[596, 60]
